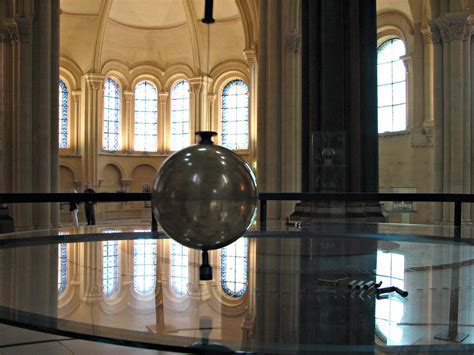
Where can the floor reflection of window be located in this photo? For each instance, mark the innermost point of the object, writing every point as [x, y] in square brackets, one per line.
[234, 267]
[144, 265]
[179, 272]
[389, 312]
[62, 267]
[111, 266]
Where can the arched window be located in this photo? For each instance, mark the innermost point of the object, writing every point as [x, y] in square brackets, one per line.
[146, 117]
[179, 272]
[180, 115]
[62, 267]
[110, 278]
[389, 312]
[235, 115]
[111, 115]
[234, 259]
[63, 114]
[144, 265]
[391, 82]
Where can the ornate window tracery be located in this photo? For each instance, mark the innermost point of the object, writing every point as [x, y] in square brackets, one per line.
[63, 114]
[146, 117]
[111, 139]
[391, 82]
[110, 278]
[179, 116]
[234, 268]
[144, 266]
[235, 115]
[179, 268]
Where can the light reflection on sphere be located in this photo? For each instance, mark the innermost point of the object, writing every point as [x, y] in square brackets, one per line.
[205, 196]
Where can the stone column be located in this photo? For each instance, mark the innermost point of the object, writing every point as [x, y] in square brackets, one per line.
[199, 113]
[163, 146]
[251, 56]
[128, 127]
[279, 101]
[91, 119]
[457, 134]
[76, 114]
[433, 60]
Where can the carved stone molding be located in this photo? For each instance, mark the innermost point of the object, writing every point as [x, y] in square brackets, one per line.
[163, 96]
[431, 35]
[452, 26]
[128, 95]
[292, 42]
[251, 54]
[197, 83]
[94, 81]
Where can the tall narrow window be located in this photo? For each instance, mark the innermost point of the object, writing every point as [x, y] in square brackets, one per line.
[111, 115]
[110, 278]
[62, 267]
[391, 81]
[144, 265]
[234, 267]
[63, 114]
[179, 272]
[235, 115]
[180, 115]
[146, 117]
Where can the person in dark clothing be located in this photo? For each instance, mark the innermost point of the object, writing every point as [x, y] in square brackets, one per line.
[89, 207]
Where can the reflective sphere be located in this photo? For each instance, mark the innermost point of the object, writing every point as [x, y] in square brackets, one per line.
[205, 196]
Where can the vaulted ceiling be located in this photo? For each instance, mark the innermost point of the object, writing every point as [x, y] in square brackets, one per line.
[156, 32]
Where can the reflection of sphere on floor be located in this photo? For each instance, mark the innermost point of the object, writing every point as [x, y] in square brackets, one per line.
[205, 196]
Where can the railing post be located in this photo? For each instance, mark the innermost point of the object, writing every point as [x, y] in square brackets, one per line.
[457, 218]
[263, 214]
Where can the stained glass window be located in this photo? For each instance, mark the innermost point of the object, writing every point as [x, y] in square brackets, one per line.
[146, 117]
[179, 272]
[234, 267]
[180, 115]
[389, 312]
[144, 265]
[111, 115]
[391, 82]
[110, 278]
[63, 114]
[62, 267]
[235, 115]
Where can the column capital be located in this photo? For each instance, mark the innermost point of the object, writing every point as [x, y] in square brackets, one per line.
[76, 95]
[251, 54]
[407, 60]
[94, 80]
[431, 34]
[452, 26]
[128, 94]
[163, 96]
[211, 98]
[197, 83]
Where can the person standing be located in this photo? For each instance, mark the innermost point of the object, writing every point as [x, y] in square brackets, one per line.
[89, 206]
[74, 209]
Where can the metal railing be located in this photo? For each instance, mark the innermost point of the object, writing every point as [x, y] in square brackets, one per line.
[457, 199]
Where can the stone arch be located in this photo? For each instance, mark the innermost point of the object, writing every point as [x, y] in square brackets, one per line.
[67, 178]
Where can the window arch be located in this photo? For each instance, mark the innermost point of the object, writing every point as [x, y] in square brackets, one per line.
[110, 277]
[63, 114]
[179, 268]
[234, 267]
[146, 117]
[62, 267]
[144, 265]
[180, 115]
[391, 83]
[111, 115]
[235, 115]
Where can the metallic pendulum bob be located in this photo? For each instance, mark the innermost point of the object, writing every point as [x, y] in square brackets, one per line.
[205, 197]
